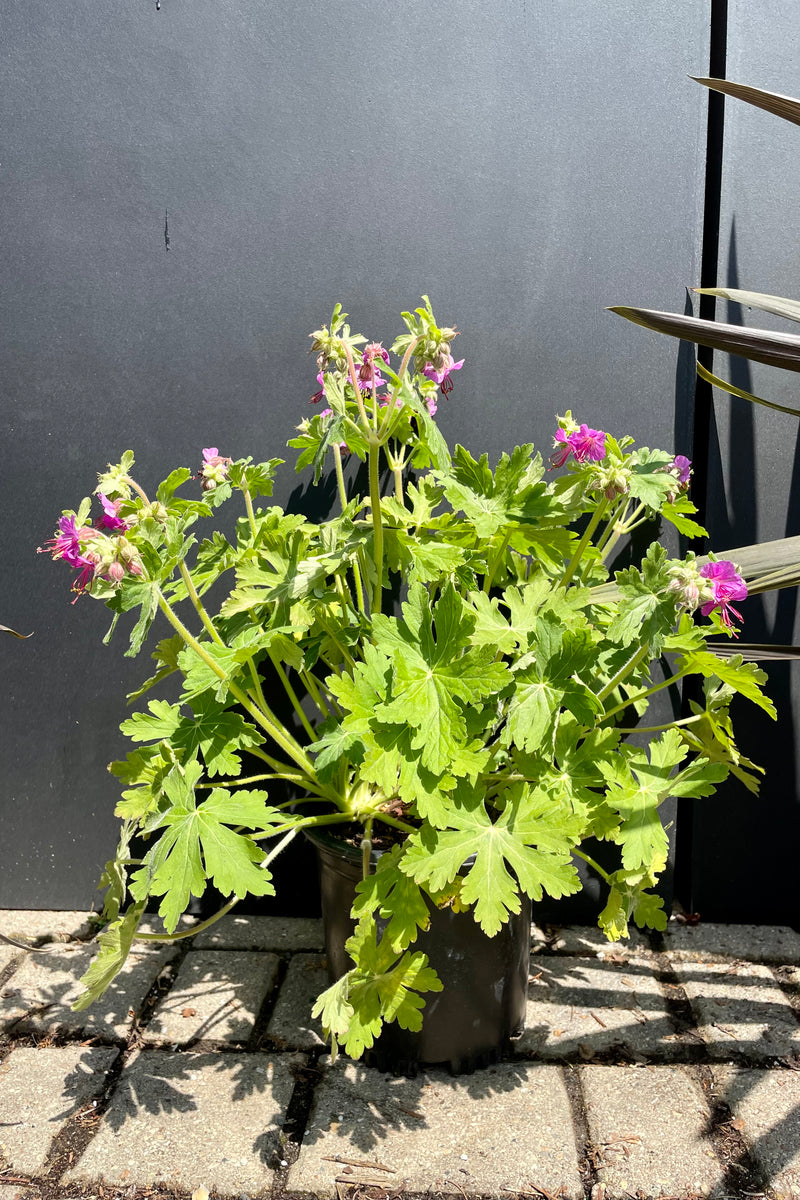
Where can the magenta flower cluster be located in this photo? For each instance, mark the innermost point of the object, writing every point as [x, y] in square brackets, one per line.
[585, 444]
[726, 585]
[91, 551]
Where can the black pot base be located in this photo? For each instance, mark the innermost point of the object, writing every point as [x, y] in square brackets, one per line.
[468, 1025]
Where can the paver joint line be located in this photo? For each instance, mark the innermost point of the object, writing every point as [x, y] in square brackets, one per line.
[670, 1066]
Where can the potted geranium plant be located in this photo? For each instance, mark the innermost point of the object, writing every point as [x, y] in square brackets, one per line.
[474, 732]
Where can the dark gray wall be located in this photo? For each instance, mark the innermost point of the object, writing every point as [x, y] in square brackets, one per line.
[744, 849]
[526, 163]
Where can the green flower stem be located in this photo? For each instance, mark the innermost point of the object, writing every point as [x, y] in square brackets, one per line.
[314, 693]
[499, 556]
[617, 517]
[140, 492]
[625, 670]
[199, 607]
[660, 728]
[345, 653]
[186, 933]
[174, 937]
[265, 719]
[621, 528]
[234, 783]
[259, 693]
[366, 847]
[340, 818]
[290, 692]
[395, 822]
[251, 516]
[597, 517]
[391, 407]
[367, 429]
[594, 865]
[337, 458]
[659, 687]
[377, 526]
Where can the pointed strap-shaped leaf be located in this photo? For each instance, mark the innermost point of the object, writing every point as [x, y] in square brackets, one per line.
[754, 652]
[772, 102]
[724, 386]
[13, 632]
[761, 345]
[781, 306]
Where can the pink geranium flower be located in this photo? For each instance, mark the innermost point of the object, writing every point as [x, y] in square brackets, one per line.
[587, 445]
[442, 375]
[110, 519]
[683, 466]
[214, 469]
[67, 542]
[726, 585]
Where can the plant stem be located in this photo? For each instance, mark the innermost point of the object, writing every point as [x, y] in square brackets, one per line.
[199, 607]
[660, 728]
[251, 516]
[185, 933]
[314, 692]
[264, 718]
[394, 822]
[339, 818]
[659, 687]
[366, 847]
[139, 491]
[637, 657]
[290, 692]
[594, 865]
[596, 518]
[377, 526]
[359, 398]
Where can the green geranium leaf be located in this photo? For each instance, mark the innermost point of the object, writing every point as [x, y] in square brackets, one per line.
[115, 943]
[527, 848]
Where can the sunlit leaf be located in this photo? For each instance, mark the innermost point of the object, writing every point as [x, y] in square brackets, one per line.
[761, 345]
[724, 386]
[772, 102]
[779, 305]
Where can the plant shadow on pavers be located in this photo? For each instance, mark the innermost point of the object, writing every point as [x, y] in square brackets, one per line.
[38, 998]
[216, 996]
[762, 1107]
[184, 1117]
[364, 1102]
[740, 1009]
[498, 1130]
[581, 1008]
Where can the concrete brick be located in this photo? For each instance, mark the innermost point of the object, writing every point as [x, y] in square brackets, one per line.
[291, 1023]
[507, 1127]
[768, 1104]
[261, 933]
[647, 1128]
[37, 925]
[216, 995]
[582, 941]
[39, 1091]
[37, 998]
[740, 1010]
[581, 1007]
[719, 943]
[193, 1120]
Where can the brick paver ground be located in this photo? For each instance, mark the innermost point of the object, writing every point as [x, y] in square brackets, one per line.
[216, 996]
[663, 1067]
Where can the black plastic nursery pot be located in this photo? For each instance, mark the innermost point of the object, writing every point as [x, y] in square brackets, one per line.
[485, 980]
